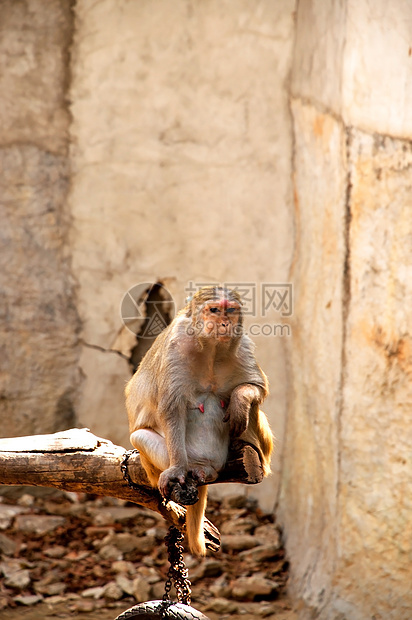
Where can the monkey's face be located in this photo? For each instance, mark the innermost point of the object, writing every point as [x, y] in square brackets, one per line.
[220, 319]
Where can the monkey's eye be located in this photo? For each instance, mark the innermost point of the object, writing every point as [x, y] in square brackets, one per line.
[230, 310]
[214, 310]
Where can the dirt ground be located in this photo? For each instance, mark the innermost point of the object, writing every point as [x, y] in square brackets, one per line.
[87, 557]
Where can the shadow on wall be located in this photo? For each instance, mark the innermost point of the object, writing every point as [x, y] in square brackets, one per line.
[153, 311]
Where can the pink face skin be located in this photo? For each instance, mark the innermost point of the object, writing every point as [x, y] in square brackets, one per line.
[219, 318]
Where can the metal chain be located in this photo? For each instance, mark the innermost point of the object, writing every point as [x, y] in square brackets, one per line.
[177, 573]
[125, 470]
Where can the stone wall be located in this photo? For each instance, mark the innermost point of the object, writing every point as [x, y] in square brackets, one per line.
[39, 322]
[347, 478]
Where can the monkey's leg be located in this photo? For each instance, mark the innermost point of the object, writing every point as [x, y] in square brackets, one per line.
[153, 452]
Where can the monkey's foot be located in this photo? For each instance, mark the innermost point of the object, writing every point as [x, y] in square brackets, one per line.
[179, 486]
[184, 494]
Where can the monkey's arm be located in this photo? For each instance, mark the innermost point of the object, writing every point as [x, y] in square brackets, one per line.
[241, 400]
[172, 411]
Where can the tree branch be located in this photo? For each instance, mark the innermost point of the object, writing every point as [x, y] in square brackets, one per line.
[77, 460]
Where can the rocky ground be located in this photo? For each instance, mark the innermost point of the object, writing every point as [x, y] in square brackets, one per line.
[62, 555]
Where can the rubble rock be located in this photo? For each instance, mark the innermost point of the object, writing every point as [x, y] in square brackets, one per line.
[38, 524]
[238, 542]
[121, 566]
[260, 553]
[95, 593]
[149, 573]
[55, 552]
[26, 500]
[28, 599]
[141, 589]
[222, 606]
[157, 591]
[83, 606]
[265, 610]
[50, 585]
[50, 589]
[221, 587]
[157, 532]
[113, 591]
[8, 567]
[15, 575]
[125, 584]
[18, 580]
[208, 568]
[7, 514]
[248, 588]
[56, 600]
[236, 500]
[7, 545]
[268, 533]
[239, 526]
[110, 552]
[116, 514]
[125, 542]
[145, 544]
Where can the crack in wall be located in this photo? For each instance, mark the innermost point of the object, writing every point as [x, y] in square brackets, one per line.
[154, 312]
[97, 347]
[346, 299]
[158, 315]
[346, 283]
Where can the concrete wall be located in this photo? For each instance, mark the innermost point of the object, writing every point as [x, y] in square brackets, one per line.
[347, 479]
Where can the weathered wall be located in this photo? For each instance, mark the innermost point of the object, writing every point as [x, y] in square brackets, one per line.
[181, 150]
[347, 483]
[38, 361]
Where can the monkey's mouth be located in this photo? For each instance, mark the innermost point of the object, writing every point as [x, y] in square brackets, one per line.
[224, 333]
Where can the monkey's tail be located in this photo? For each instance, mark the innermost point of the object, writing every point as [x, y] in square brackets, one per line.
[260, 435]
[194, 523]
[266, 441]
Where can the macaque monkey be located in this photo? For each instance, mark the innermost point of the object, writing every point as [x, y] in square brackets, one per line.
[198, 387]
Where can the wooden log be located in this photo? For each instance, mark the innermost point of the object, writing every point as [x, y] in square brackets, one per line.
[77, 460]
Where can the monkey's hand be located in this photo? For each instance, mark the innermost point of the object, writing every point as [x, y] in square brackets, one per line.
[237, 413]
